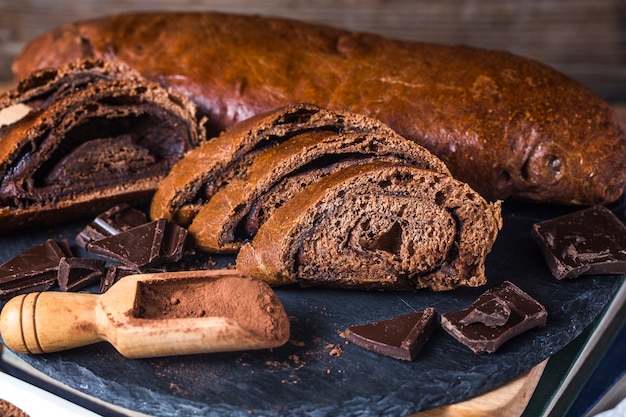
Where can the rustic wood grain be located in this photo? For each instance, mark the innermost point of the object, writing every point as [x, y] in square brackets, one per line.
[584, 38]
[29, 323]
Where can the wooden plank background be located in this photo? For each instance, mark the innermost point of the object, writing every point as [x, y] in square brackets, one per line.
[583, 38]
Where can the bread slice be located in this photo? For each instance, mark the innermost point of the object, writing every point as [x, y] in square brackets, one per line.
[89, 143]
[377, 226]
[307, 157]
[203, 171]
[45, 86]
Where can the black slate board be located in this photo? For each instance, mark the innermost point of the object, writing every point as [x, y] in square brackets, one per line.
[303, 378]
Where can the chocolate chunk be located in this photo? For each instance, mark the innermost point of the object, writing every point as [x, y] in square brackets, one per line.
[34, 269]
[589, 241]
[143, 247]
[398, 337]
[487, 323]
[113, 221]
[493, 313]
[114, 274]
[77, 273]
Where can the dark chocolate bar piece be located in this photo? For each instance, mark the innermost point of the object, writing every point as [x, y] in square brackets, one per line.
[113, 221]
[144, 247]
[498, 315]
[34, 269]
[114, 274]
[398, 337]
[77, 273]
[589, 241]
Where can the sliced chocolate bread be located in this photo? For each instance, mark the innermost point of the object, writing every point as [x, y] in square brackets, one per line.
[45, 86]
[377, 226]
[235, 212]
[89, 143]
[203, 171]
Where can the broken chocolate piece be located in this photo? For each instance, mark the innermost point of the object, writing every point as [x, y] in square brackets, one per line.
[113, 221]
[493, 312]
[77, 273]
[34, 269]
[398, 337]
[586, 242]
[480, 330]
[143, 247]
[114, 274]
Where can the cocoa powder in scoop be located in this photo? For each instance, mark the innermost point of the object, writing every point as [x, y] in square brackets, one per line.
[249, 302]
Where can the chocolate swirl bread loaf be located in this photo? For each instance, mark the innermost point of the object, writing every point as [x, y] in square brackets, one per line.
[508, 126]
[205, 170]
[377, 226]
[331, 198]
[94, 138]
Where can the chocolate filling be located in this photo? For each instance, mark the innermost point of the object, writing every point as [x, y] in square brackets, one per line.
[97, 134]
[245, 141]
[93, 150]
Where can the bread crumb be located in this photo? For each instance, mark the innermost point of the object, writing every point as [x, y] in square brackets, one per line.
[335, 350]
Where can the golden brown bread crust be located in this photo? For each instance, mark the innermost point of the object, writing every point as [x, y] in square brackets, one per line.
[508, 126]
[377, 226]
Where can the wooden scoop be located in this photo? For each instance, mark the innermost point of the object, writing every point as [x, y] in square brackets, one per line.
[149, 315]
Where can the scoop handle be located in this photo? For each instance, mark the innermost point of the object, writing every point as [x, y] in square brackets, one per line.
[44, 322]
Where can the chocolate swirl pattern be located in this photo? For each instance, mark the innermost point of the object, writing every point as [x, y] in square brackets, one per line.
[205, 170]
[236, 211]
[45, 86]
[377, 226]
[94, 138]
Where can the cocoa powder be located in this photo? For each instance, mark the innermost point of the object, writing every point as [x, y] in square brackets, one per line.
[249, 302]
